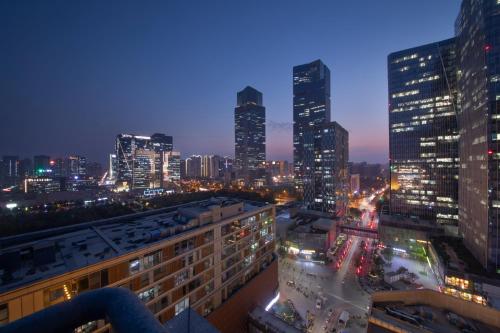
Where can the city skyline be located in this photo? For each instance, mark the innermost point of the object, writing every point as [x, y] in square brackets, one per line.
[92, 88]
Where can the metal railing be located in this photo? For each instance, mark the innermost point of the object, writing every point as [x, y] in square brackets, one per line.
[121, 307]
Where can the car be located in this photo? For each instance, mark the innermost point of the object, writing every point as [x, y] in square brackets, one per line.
[319, 303]
[290, 283]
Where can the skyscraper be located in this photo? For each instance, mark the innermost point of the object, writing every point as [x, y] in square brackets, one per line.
[423, 133]
[325, 160]
[76, 167]
[320, 147]
[311, 106]
[162, 145]
[478, 46]
[140, 160]
[172, 167]
[250, 135]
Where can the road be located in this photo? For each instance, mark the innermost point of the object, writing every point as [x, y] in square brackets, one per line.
[340, 290]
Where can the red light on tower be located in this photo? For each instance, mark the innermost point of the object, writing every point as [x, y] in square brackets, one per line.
[52, 162]
[487, 48]
[490, 152]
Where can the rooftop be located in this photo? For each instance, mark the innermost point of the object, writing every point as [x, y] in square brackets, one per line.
[67, 249]
[430, 311]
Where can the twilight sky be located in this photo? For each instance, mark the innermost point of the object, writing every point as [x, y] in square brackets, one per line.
[73, 74]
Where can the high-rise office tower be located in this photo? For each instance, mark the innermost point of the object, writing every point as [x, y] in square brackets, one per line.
[162, 145]
[423, 133]
[143, 169]
[311, 106]
[172, 167]
[134, 167]
[478, 47]
[320, 147]
[250, 135]
[126, 145]
[325, 160]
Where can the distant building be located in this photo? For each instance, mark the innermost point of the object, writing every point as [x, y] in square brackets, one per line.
[250, 135]
[212, 166]
[194, 166]
[172, 164]
[355, 184]
[59, 168]
[25, 167]
[41, 184]
[76, 167]
[94, 170]
[41, 165]
[143, 169]
[9, 170]
[140, 160]
[423, 137]
[112, 167]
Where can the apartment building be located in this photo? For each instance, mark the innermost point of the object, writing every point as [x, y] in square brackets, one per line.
[198, 255]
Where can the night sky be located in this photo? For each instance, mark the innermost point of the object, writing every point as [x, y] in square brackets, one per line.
[73, 74]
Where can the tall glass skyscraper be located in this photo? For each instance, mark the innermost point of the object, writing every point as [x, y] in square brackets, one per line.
[140, 160]
[423, 134]
[320, 147]
[311, 106]
[250, 135]
[478, 43]
[326, 157]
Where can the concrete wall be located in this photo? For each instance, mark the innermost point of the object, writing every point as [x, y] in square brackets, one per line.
[232, 315]
[433, 298]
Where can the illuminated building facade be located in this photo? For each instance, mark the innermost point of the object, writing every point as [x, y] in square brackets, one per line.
[140, 160]
[194, 166]
[326, 155]
[112, 167]
[423, 133]
[172, 167]
[77, 167]
[250, 135]
[478, 45]
[311, 106]
[41, 184]
[201, 256]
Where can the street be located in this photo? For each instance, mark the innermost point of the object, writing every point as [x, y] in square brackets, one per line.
[337, 290]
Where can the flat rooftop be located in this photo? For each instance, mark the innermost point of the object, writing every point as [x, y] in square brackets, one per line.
[426, 318]
[27, 262]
